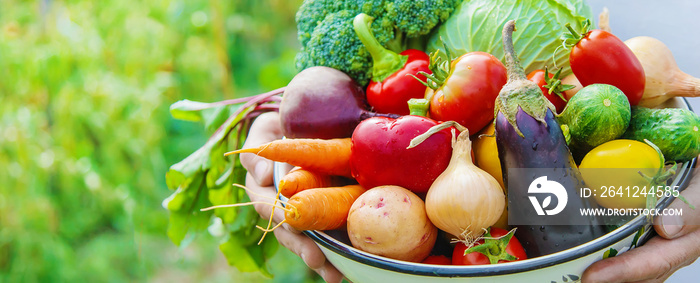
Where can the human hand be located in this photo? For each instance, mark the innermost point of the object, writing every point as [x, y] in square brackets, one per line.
[267, 128]
[677, 245]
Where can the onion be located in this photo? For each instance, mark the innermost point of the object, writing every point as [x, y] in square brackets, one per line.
[664, 80]
[464, 200]
[571, 80]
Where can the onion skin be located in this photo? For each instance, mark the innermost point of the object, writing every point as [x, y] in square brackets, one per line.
[464, 200]
[664, 80]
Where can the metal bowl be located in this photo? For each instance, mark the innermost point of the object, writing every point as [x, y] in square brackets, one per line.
[563, 266]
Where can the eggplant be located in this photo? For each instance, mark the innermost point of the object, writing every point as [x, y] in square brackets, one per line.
[529, 136]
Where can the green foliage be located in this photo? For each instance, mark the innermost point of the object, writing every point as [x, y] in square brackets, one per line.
[87, 135]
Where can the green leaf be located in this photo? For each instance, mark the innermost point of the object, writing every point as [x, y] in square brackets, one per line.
[248, 257]
[187, 110]
[610, 253]
[212, 114]
[637, 236]
[213, 118]
[200, 160]
[186, 192]
[185, 214]
[478, 26]
[225, 193]
[218, 164]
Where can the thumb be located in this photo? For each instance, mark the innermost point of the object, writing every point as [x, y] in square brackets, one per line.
[265, 128]
[685, 219]
[652, 262]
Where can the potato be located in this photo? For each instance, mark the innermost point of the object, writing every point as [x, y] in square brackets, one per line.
[391, 221]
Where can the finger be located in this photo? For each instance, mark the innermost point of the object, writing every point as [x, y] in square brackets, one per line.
[656, 260]
[310, 253]
[265, 128]
[262, 195]
[329, 273]
[674, 226]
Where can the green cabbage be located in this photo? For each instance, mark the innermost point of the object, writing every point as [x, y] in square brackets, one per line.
[476, 25]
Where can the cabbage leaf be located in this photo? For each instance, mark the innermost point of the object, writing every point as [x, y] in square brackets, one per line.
[476, 25]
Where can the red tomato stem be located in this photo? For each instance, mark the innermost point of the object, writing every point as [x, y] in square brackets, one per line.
[494, 248]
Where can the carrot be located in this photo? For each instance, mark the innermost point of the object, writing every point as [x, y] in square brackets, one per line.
[330, 156]
[312, 209]
[300, 179]
[321, 208]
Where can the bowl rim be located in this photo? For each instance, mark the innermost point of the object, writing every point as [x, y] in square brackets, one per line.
[622, 232]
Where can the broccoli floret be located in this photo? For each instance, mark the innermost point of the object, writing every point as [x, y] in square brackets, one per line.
[312, 12]
[334, 44]
[416, 18]
[302, 60]
[328, 38]
[374, 8]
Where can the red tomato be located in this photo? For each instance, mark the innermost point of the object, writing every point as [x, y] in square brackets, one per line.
[513, 248]
[379, 155]
[537, 76]
[437, 259]
[392, 94]
[468, 93]
[601, 57]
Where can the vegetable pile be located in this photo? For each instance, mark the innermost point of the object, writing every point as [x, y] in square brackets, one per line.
[408, 153]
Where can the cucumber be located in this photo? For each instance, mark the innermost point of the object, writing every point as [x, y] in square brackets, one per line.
[596, 114]
[675, 131]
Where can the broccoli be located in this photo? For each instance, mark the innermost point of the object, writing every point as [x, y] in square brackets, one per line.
[334, 44]
[311, 13]
[328, 38]
[416, 18]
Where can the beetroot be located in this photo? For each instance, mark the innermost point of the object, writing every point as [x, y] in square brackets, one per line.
[324, 103]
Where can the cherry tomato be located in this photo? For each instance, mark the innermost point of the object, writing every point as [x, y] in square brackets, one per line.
[513, 249]
[538, 76]
[437, 259]
[392, 94]
[600, 57]
[621, 161]
[468, 91]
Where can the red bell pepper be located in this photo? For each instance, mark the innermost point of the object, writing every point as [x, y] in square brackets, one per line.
[392, 83]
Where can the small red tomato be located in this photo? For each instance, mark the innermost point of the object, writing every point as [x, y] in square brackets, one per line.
[437, 259]
[505, 248]
[467, 91]
[599, 57]
[550, 88]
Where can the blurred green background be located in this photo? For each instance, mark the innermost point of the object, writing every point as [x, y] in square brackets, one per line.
[86, 136]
